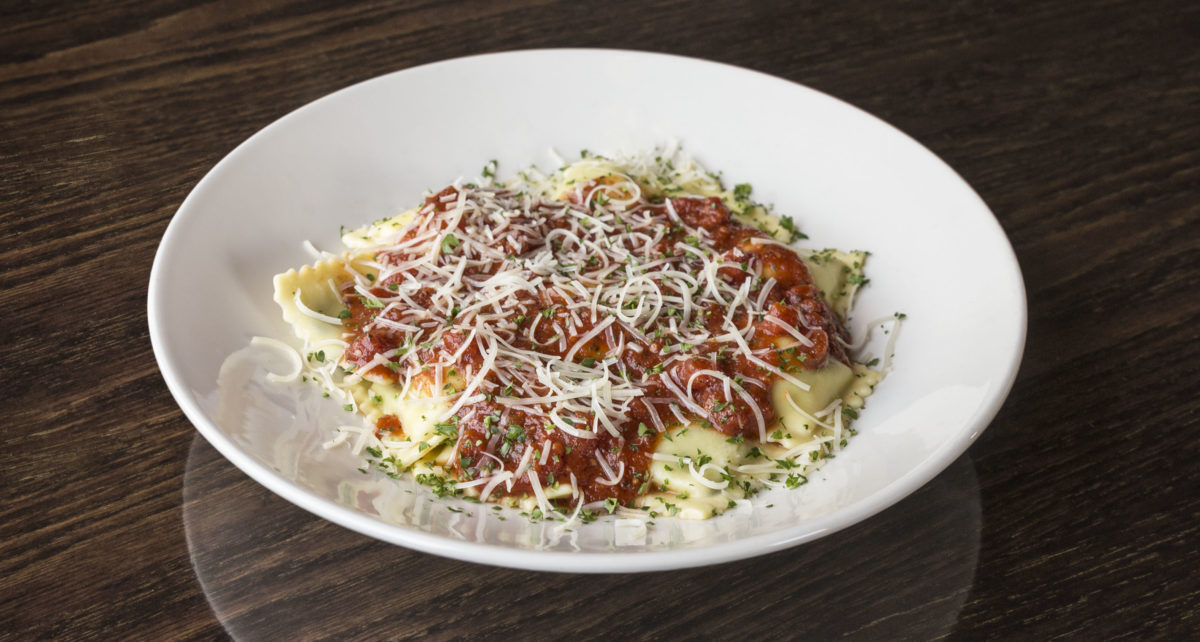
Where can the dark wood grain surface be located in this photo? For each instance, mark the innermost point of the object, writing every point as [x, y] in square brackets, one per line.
[1076, 515]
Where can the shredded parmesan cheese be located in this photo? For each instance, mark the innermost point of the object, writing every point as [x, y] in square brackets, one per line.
[607, 307]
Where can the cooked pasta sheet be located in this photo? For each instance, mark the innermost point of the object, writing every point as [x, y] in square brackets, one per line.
[617, 336]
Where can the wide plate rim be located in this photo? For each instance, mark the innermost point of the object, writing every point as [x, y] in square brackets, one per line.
[607, 562]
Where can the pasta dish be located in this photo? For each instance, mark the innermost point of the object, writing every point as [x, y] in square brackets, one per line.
[617, 336]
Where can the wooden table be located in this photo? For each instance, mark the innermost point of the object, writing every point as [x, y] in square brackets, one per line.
[1075, 514]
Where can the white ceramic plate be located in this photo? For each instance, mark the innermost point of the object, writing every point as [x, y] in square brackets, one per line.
[850, 180]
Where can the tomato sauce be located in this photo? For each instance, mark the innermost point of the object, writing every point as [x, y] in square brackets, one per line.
[495, 436]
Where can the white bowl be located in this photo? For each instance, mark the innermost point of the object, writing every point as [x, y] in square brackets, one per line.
[850, 180]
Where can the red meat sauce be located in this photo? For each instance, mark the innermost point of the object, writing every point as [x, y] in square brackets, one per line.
[793, 299]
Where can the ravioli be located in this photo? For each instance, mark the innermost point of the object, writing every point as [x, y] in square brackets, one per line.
[617, 336]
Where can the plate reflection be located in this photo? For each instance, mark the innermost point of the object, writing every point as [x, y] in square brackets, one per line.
[271, 570]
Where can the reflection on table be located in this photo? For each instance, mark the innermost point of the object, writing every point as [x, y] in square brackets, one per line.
[270, 570]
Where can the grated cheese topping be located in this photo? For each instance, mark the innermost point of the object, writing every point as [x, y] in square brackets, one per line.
[554, 341]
